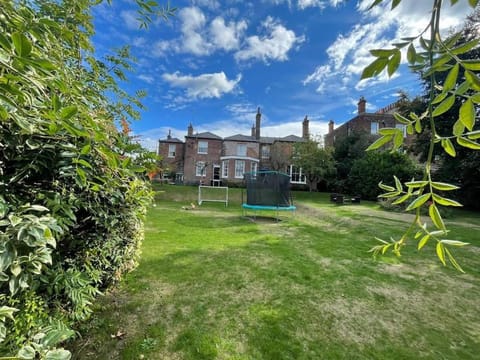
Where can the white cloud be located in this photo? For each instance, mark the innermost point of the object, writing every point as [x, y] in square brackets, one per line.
[303, 4]
[147, 78]
[130, 19]
[274, 45]
[193, 23]
[203, 86]
[226, 36]
[349, 54]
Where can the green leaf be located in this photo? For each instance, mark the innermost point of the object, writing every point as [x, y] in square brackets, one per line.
[436, 217]
[380, 142]
[23, 46]
[86, 149]
[58, 354]
[476, 98]
[458, 128]
[56, 103]
[375, 68]
[419, 201]
[401, 119]
[418, 126]
[473, 80]
[441, 253]
[395, 3]
[382, 53]
[7, 312]
[444, 106]
[443, 186]
[473, 135]
[411, 54]
[451, 79]
[26, 352]
[68, 111]
[385, 187]
[439, 97]
[387, 131]
[84, 163]
[444, 201]
[448, 147]
[453, 261]
[394, 62]
[4, 42]
[467, 114]
[468, 143]
[416, 184]
[423, 242]
[473, 3]
[3, 113]
[397, 140]
[454, 243]
[462, 49]
[453, 2]
[402, 199]
[471, 64]
[462, 88]
[398, 184]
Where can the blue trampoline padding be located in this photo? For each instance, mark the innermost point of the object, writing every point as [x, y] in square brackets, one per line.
[265, 207]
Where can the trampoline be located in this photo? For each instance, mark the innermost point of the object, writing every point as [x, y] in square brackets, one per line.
[267, 190]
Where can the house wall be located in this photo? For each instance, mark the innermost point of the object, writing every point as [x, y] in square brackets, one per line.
[362, 124]
[192, 157]
[174, 164]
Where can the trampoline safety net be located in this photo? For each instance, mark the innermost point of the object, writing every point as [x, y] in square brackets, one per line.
[268, 188]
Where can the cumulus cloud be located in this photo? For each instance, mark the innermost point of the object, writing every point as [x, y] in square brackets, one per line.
[203, 86]
[226, 36]
[349, 53]
[273, 45]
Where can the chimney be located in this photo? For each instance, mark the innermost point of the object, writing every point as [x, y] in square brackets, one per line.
[330, 126]
[253, 130]
[305, 133]
[190, 130]
[258, 118]
[361, 105]
[169, 136]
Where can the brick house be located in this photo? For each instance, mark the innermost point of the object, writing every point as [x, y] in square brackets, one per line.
[367, 123]
[205, 158]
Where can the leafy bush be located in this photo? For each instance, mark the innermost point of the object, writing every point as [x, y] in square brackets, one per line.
[368, 171]
[73, 199]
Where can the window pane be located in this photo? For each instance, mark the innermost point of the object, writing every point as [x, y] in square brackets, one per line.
[265, 152]
[374, 127]
[203, 147]
[239, 168]
[225, 168]
[171, 150]
[200, 168]
[241, 150]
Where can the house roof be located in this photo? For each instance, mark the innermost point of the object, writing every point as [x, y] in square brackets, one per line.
[240, 137]
[292, 138]
[206, 135]
[171, 140]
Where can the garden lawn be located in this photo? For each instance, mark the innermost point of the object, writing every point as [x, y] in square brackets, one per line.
[212, 284]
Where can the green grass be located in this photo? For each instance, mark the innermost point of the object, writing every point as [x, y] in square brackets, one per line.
[214, 285]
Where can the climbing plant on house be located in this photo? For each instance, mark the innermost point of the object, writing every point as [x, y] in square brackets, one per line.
[431, 54]
[72, 199]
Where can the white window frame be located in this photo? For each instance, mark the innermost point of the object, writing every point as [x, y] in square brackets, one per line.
[403, 128]
[266, 152]
[202, 147]
[241, 149]
[200, 169]
[225, 169]
[239, 169]
[253, 167]
[302, 179]
[374, 128]
[172, 150]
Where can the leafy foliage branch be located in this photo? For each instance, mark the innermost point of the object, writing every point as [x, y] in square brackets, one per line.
[432, 55]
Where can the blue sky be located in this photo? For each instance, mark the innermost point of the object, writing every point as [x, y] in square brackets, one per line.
[216, 61]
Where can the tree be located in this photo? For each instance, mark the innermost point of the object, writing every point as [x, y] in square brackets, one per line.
[432, 56]
[280, 155]
[368, 171]
[317, 163]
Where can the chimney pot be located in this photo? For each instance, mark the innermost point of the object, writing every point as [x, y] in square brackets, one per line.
[362, 105]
